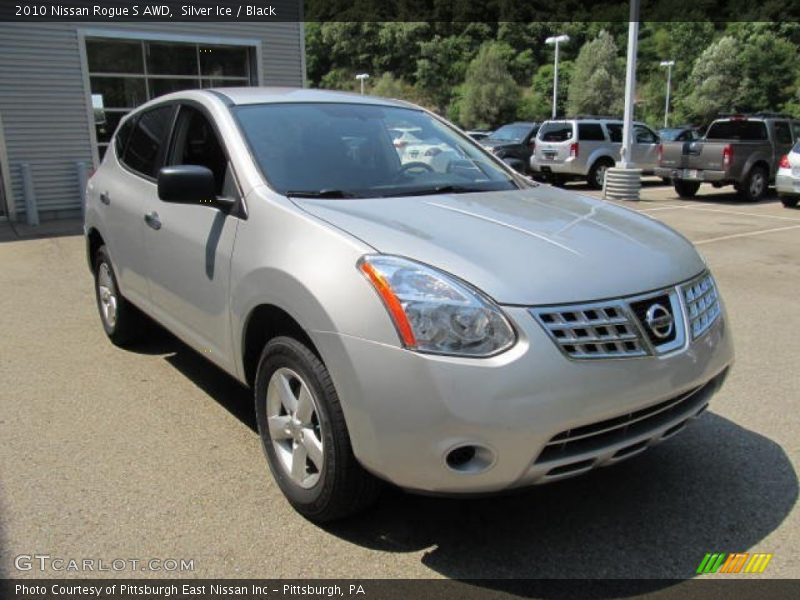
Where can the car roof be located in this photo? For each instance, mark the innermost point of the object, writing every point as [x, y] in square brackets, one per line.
[267, 95]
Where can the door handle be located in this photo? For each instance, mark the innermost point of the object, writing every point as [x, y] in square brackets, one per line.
[152, 220]
[105, 198]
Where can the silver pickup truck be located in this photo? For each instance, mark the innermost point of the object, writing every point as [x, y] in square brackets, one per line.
[742, 151]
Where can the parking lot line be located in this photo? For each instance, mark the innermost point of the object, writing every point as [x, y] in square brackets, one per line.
[746, 234]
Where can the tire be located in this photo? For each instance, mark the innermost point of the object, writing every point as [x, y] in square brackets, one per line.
[666, 180]
[686, 189]
[790, 201]
[333, 485]
[121, 321]
[755, 185]
[597, 173]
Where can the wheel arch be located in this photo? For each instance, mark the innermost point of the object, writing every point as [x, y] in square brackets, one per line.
[264, 322]
[94, 241]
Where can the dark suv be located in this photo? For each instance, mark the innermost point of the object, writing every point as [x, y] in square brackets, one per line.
[513, 143]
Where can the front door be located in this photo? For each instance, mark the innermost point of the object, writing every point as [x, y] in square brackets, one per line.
[190, 246]
[644, 149]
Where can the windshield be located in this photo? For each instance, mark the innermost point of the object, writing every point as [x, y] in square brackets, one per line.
[555, 132]
[511, 133]
[338, 150]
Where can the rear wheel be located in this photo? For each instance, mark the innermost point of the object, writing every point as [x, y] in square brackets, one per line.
[790, 201]
[121, 321]
[597, 174]
[304, 434]
[754, 186]
[686, 189]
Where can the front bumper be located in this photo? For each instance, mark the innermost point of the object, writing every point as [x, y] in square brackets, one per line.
[406, 411]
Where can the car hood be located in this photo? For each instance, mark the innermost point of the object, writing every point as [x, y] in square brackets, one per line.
[525, 247]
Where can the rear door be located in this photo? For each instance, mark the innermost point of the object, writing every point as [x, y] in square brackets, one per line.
[126, 186]
[190, 249]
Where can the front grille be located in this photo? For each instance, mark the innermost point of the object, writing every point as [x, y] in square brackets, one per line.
[600, 330]
[702, 304]
[596, 436]
[647, 324]
[641, 308]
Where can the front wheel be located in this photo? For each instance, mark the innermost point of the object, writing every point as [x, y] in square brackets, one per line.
[686, 189]
[304, 435]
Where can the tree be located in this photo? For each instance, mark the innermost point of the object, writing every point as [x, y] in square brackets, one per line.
[490, 94]
[714, 82]
[597, 85]
[537, 101]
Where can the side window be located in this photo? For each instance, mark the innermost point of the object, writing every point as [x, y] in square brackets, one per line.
[196, 143]
[614, 132]
[783, 135]
[590, 132]
[122, 136]
[643, 135]
[147, 139]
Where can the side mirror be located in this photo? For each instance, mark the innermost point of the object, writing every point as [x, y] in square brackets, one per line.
[190, 184]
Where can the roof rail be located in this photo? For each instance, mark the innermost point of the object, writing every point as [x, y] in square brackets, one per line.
[757, 115]
[599, 117]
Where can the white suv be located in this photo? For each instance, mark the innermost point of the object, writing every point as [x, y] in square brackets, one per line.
[584, 147]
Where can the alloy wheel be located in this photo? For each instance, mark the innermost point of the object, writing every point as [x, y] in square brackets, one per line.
[107, 293]
[294, 427]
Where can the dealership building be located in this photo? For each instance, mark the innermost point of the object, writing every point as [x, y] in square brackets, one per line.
[64, 86]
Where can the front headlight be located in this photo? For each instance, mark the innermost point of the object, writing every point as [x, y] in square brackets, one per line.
[435, 312]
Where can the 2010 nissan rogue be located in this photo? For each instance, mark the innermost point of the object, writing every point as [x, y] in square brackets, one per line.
[448, 326]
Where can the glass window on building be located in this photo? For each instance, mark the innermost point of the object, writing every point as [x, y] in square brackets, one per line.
[126, 73]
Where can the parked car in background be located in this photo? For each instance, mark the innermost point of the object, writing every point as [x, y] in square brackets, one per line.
[584, 147]
[682, 133]
[513, 143]
[452, 333]
[479, 134]
[787, 180]
[740, 150]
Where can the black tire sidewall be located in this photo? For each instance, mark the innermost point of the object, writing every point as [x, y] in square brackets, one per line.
[746, 187]
[592, 177]
[686, 189]
[287, 352]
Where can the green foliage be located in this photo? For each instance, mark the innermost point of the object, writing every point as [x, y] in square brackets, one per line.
[719, 67]
[490, 94]
[597, 85]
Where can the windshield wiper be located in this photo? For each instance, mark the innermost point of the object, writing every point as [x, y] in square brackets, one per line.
[320, 194]
[444, 189]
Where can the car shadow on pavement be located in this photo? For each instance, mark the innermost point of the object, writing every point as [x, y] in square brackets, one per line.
[715, 487]
[227, 391]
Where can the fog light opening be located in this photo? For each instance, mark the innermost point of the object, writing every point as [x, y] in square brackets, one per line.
[469, 458]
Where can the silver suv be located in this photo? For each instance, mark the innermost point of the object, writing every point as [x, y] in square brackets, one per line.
[584, 147]
[450, 327]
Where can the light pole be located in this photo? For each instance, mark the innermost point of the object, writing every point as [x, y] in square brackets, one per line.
[669, 64]
[362, 77]
[556, 40]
